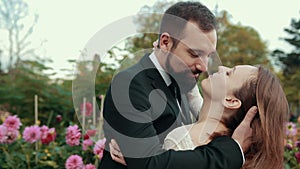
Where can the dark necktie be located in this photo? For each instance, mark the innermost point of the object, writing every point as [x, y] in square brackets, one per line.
[184, 114]
[174, 88]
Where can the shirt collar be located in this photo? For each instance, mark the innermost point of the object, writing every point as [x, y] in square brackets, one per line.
[162, 72]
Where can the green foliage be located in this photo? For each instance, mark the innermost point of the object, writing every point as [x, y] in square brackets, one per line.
[22, 78]
[21, 154]
[91, 74]
[239, 45]
[290, 64]
[291, 149]
[289, 158]
[147, 22]
[21, 84]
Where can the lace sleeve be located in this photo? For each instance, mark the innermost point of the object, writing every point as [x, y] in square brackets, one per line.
[179, 139]
[170, 143]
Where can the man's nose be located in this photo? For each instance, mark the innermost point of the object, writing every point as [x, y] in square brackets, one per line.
[202, 64]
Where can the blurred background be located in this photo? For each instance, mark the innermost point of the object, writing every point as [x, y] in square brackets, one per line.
[41, 41]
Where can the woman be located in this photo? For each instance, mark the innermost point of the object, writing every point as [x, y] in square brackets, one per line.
[228, 94]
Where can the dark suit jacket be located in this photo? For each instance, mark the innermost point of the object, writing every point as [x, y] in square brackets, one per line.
[139, 111]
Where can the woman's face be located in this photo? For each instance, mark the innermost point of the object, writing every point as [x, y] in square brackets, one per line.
[224, 82]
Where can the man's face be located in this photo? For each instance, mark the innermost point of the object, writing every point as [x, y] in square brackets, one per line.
[191, 54]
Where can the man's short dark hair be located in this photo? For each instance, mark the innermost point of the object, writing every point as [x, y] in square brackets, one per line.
[184, 12]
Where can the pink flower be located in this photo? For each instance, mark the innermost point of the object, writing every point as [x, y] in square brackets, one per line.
[89, 166]
[291, 129]
[89, 133]
[32, 134]
[297, 155]
[74, 162]
[47, 135]
[44, 129]
[12, 122]
[11, 136]
[86, 143]
[99, 148]
[3, 134]
[88, 109]
[73, 135]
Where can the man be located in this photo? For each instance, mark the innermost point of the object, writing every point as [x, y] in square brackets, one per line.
[148, 100]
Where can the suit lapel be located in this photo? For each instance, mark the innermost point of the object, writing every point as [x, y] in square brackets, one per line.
[168, 97]
[186, 116]
[158, 83]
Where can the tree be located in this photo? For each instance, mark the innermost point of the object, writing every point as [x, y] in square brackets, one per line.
[239, 45]
[24, 75]
[290, 64]
[12, 13]
[19, 86]
[147, 23]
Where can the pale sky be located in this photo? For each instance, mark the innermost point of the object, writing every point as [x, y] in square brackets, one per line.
[67, 25]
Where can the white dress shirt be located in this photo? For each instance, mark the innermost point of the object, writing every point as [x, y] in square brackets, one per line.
[194, 98]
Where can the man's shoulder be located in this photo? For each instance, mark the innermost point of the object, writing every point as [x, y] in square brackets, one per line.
[139, 65]
[140, 69]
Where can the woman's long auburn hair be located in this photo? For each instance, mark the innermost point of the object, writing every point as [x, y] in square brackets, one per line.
[266, 93]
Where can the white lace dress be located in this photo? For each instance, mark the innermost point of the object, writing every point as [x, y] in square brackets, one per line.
[179, 139]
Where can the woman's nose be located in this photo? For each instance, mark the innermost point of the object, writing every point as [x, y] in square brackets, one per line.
[221, 68]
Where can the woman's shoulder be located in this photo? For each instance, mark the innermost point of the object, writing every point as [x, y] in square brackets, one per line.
[181, 131]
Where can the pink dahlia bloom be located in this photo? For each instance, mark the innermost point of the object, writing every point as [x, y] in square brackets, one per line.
[91, 133]
[12, 122]
[11, 136]
[32, 134]
[74, 162]
[73, 135]
[47, 135]
[99, 148]
[88, 108]
[89, 166]
[3, 134]
[86, 143]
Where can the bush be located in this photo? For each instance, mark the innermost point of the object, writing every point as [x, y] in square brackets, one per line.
[42, 147]
[292, 146]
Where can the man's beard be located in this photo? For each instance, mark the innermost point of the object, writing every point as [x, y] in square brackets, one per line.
[183, 77]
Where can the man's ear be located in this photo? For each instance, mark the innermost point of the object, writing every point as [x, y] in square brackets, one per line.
[231, 102]
[165, 42]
